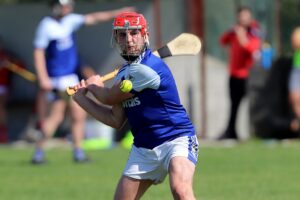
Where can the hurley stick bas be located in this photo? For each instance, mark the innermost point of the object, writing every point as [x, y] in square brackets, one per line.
[19, 70]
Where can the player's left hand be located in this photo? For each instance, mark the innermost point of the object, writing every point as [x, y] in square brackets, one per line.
[81, 87]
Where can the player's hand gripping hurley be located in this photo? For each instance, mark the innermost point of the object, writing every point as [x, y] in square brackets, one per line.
[184, 44]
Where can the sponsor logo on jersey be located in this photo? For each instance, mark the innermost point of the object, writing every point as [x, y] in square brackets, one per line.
[64, 43]
[135, 101]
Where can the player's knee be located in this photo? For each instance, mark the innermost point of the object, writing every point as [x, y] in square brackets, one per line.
[78, 119]
[78, 116]
[182, 191]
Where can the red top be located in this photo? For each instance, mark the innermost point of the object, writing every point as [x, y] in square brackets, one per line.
[4, 72]
[241, 57]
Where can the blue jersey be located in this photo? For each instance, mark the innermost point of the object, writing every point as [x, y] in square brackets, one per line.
[58, 39]
[154, 113]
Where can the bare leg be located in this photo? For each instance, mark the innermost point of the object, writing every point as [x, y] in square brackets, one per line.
[181, 173]
[295, 102]
[3, 119]
[41, 106]
[78, 123]
[50, 124]
[131, 189]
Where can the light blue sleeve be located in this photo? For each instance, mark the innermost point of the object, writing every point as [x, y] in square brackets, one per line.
[41, 39]
[74, 21]
[143, 77]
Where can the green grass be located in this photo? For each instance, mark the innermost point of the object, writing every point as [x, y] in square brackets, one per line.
[254, 170]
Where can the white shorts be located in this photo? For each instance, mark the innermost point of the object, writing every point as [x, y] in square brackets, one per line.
[294, 80]
[62, 82]
[153, 164]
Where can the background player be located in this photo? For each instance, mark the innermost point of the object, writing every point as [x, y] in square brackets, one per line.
[56, 61]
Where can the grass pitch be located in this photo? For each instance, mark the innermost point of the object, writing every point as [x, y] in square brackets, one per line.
[255, 170]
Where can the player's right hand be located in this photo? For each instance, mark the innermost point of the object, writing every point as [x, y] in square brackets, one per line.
[45, 84]
[80, 87]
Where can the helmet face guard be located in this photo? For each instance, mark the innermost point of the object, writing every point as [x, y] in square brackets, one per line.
[130, 21]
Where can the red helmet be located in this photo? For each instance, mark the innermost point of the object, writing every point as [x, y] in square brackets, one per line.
[130, 20]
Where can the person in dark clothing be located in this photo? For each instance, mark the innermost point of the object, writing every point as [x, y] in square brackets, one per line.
[273, 117]
[243, 40]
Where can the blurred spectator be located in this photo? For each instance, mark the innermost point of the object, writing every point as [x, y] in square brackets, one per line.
[7, 58]
[56, 61]
[266, 56]
[275, 116]
[272, 115]
[294, 79]
[244, 41]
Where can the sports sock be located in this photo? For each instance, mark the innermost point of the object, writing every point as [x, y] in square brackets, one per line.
[79, 154]
[38, 154]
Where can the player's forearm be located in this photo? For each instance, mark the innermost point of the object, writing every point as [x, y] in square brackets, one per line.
[243, 39]
[98, 17]
[101, 93]
[103, 16]
[101, 112]
[40, 64]
[109, 96]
